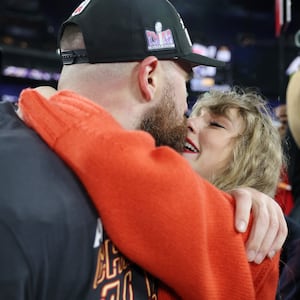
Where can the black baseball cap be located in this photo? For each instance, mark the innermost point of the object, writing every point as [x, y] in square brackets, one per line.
[130, 30]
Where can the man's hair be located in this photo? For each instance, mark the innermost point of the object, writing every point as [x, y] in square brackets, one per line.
[72, 38]
[257, 157]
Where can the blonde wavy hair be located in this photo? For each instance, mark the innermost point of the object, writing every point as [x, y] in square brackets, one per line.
[257, 157]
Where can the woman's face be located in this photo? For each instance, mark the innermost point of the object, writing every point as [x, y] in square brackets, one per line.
[210, 141]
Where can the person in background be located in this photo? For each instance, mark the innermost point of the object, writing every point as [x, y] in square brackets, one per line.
[284, 194]
[54, 243]
[293, 173]
[292, 142]
[224, 145]
[289, 280]
[293, 106]
[281, 116]
[289, 283]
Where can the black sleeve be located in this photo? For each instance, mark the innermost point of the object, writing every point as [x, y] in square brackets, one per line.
[289, 280]
[14, 271]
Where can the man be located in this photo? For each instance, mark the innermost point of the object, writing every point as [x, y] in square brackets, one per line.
[55, 246]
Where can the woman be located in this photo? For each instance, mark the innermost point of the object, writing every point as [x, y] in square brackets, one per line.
[232, 142]
[62, 122]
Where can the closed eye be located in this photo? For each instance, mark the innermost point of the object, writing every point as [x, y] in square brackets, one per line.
[216, 124]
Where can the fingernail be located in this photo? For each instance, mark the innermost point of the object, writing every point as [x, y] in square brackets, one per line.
[272, 254]
[251, 255]
[259, 258]
[241, 226]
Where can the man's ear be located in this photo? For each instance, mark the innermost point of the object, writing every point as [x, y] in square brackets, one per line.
[148, 77]
[46, 91]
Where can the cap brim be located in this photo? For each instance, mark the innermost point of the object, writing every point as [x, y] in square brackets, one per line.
[197, 60]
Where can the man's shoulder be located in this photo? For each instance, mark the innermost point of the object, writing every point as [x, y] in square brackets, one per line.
[33, 178]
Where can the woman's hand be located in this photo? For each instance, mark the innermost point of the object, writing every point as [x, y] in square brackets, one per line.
[269, 229]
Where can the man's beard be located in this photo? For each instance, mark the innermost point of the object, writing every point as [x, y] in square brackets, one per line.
[162, 122]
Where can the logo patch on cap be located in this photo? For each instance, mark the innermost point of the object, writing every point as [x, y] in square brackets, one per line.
[81, 7]
[158, 39]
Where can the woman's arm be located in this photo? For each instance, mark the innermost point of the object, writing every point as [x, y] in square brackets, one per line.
[157, 211]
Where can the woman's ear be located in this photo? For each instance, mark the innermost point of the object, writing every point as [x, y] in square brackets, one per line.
[148, 77]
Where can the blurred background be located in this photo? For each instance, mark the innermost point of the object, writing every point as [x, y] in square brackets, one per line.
[257, 38]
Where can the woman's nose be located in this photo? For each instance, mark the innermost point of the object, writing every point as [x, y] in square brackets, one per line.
[193, 124]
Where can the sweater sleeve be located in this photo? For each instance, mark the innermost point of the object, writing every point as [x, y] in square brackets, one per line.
[156, 209]
[265, 278]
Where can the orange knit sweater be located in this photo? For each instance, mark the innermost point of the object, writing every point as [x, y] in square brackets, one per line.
[155, 208]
